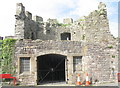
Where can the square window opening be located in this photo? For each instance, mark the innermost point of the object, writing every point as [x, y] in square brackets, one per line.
[77, 63]
[24, 64]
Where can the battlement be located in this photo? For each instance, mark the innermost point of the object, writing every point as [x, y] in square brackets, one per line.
[94, 27]
[38, 19]
[67, 20]
[20, 11]
[19, 8]
[101, 6]
[52, 21]
[28, 15]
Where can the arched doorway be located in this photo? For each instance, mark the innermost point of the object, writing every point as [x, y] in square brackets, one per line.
[50, 68]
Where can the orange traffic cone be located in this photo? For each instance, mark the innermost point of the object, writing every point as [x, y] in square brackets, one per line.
[78, 80]
[87, 81]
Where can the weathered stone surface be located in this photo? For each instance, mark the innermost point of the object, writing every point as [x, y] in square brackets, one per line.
[93, 27]
[89, 37]
[68, 21]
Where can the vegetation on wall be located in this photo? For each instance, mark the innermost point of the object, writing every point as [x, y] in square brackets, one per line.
[7, 55]
[63, 25]
[113, 56]
[110, 47]
[0, 50]
[81, 19]
[83, 37]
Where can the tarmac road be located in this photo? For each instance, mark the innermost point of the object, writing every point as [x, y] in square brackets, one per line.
[60, 87]
[105, 85]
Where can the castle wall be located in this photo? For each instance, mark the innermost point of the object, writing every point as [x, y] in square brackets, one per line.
[91, 28]
[90, 38]
[95, 58]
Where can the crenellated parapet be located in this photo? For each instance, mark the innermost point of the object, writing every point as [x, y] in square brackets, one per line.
[91, 28]
[68, 21]
[52, 21]
[20, 11]
[38, 19]
[28, 15]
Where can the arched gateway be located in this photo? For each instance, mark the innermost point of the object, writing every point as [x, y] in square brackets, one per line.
[51, 68]
[41, 62]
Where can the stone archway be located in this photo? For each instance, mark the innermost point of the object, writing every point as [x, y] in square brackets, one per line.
[51, 68]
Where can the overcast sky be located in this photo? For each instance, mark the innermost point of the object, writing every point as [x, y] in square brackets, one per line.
[55, 9]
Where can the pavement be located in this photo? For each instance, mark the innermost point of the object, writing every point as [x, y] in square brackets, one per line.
[107, 84]
[64, 85]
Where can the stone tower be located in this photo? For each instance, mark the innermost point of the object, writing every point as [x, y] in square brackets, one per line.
[20, 23]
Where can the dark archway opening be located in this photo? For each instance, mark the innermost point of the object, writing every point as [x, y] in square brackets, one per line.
[50, 68]
[65, 36]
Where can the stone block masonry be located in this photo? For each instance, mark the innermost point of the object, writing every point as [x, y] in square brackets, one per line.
[85, 43]
[91, 28]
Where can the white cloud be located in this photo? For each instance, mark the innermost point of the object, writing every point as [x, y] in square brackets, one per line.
[7, 21]
[84, 7]
[48, 8]
[45, 8]
[114, 28]
[108, 1]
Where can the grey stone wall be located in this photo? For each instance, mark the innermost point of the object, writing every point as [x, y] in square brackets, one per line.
[96, 59]
[91, 28]
[90, 38]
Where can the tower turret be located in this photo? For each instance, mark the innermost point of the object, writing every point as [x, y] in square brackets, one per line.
[20, 23]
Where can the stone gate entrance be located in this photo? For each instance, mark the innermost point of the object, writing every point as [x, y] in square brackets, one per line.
[55, 61]
[51, 68]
